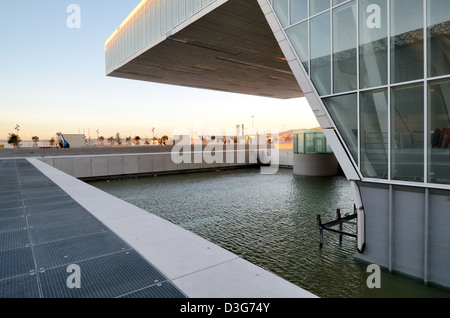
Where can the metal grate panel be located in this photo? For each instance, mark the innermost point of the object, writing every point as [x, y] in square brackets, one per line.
[13, 239]
[61, 199]
[15, 262]
[161, 290]
[4, 205]
[58, 216]
[62, 232]
[109, 276]
[51, 207]
[76, 249]
[52, 232]
[9, 213]
[14, 223]
[24, 286]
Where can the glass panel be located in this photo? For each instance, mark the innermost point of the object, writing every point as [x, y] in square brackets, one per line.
[298, 36]
[343, 111]
[336, 2]
[298, 10]
[407, 124]
[319, 142]
[281, 9]
[438, 37]
[406, 40]
[197, 5]
[439, 131]
[174, 13]
[344, 48]
[373, 47]
[181, 10]
[309, 143]
[374, 133]
[299, 145]
[321, 53]
[189, 7]
[316, 6]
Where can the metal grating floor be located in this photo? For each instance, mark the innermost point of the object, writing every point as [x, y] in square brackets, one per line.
[43, 231]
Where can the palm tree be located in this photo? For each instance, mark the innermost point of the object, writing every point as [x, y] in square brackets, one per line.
[118, 139]
[51, 142]
[14, 140]
[100, 140]
[164, 139]
[111, 140]
[137, 140]
[35, 140]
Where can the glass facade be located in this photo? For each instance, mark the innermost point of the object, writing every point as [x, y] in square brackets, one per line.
[382, 71]
[320, 52]
[374, 133]
[310, 141]
[439, 131]
[344, 112]
[406, 40]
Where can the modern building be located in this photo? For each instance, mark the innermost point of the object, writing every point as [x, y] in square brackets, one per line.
[375, 73]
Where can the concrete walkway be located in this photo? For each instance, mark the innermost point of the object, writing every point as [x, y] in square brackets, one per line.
[187, 265]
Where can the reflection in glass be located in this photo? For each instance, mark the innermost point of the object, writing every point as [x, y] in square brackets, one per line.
[343, 111]
[438, 32]
[373, 43]
[336, 2]
[407, 136]
[299, 145]
[344, 48]
[316, 6]
[311, 141]
[406, 40]
[298, 36]
[321, 53]
[374, 133]
[439, 131]
[281, 8]
[298, 10]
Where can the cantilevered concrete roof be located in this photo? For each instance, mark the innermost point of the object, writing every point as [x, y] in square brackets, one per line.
[232, 49]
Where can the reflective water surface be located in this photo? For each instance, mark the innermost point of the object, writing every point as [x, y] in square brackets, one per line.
[270, 220]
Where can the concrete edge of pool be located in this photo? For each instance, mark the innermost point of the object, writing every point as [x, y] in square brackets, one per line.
[199, 268]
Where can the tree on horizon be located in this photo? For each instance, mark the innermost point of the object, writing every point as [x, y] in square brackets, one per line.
[14, 140]
[35, 140]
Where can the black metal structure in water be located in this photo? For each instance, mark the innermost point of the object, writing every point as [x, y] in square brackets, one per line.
[339, 221]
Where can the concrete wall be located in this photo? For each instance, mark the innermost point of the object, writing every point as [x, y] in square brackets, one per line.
[305, 164]
[407, 230]
[97, 166]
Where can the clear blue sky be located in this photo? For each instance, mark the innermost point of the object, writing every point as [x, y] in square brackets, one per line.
[52, 78]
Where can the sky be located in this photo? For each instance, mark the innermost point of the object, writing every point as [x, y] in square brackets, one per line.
[52, 79]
